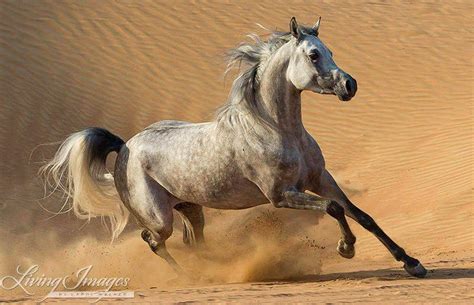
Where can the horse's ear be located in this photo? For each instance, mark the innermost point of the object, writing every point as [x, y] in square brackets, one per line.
[294, 29]
[316, 26]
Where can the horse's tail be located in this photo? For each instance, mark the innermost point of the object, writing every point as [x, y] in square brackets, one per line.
[78, 169]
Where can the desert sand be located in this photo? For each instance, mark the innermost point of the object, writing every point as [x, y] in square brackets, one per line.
[401, 149]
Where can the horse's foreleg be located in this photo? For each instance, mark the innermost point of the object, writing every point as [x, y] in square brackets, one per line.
[304, 201]
[327, 187]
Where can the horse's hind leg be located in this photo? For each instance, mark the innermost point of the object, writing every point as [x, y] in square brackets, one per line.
[327, 187]
[152, 205]
[195, 217]
[159, 248]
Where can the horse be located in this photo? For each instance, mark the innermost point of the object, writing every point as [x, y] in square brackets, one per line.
[255, 151]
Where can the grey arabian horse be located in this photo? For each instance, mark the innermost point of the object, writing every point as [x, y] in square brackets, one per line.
[256, 151]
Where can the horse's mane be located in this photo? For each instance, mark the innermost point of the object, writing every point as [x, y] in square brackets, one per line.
[242, 98]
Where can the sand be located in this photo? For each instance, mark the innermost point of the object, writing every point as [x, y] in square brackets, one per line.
[401, 149]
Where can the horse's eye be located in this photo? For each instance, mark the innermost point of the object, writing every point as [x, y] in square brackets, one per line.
[313, 56]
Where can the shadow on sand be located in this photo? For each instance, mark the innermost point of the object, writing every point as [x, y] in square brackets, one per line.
[390, 275]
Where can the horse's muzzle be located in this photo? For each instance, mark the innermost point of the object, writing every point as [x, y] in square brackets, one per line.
[346, 88]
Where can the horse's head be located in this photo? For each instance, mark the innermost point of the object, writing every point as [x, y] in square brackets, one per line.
[312, 67]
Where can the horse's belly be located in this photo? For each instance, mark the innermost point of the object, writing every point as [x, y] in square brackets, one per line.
[214, 192]
[241, 196]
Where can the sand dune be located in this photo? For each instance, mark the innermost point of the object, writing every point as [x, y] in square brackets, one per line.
[401, 149]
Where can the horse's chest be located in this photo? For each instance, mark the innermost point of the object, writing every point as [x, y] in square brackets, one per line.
[294, 163]
[285, 162]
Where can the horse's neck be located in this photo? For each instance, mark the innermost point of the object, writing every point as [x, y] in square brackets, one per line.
[281, 100]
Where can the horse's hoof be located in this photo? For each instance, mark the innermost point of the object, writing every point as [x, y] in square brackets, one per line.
[418, 270]
[345, 250]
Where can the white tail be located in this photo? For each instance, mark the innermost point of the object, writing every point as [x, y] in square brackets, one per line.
[78, 169]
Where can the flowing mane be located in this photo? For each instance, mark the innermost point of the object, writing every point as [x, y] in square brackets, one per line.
[242, 99]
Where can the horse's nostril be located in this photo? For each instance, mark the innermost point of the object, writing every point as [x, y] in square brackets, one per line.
[349, 86]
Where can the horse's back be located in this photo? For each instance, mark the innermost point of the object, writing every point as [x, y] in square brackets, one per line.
[168, 124]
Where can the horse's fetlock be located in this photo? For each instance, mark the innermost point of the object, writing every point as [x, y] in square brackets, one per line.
[154, 246]
[400, 255]
[351, 240]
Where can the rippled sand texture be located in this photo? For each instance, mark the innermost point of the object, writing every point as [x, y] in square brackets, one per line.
[402, 149]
